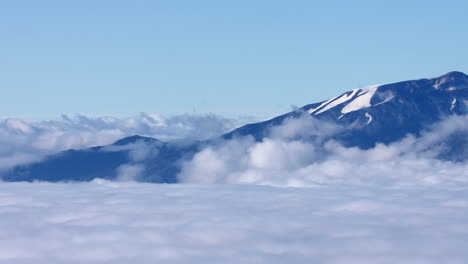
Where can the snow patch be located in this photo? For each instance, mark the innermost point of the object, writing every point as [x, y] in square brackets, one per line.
[334, 102]
[369, 118]
[454, 103]
[439, 83]
[362, 101]
[321, 105]
[390, 97]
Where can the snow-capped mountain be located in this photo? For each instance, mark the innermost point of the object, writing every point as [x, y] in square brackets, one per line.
[369, 115]
[383, 113]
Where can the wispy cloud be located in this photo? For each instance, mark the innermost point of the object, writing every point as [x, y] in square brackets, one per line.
[24, 141]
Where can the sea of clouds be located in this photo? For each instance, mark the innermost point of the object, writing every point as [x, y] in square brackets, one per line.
[129, 222]
[283, 199]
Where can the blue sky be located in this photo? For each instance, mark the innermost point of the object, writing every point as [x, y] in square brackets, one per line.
[228, 57]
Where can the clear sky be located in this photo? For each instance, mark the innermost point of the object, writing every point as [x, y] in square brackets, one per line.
[242, 57]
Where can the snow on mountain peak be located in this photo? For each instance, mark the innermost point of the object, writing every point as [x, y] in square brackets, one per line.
[342, 99]
[362, 100]
[356, 99]
[451, 81]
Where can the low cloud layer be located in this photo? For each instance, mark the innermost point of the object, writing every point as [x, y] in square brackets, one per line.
[298, 153]
[396, 203]
[285, 159]
[24, 141]
[127, 222]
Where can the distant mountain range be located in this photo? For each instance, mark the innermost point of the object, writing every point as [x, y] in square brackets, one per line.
[369, 115]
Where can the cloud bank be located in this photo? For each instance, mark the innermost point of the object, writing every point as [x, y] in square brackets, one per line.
[396, 203]
[298, 153]
[26, 141]
[127, 222]
[285, 158]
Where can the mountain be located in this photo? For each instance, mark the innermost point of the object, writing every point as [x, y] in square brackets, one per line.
[382, 113]
[159, 158]
[369, 115]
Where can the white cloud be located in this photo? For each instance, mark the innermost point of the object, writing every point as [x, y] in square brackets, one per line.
[296, 153]
[393, 203]
[122, 222]
[24, 141]
[281, 160]
[303, 127]
[129, 172]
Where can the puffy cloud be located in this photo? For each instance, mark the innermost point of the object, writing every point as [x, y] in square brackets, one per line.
[394, 203]
[297, 153]
[122, 222]
[129, 172]
[25, 141]
[304, 127]
[138, 152]
[284, 160]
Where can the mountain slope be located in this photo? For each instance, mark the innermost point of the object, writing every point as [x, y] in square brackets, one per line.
[382, 113]
[369, 115]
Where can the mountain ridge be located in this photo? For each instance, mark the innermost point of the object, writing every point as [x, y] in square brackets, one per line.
[370, 115]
